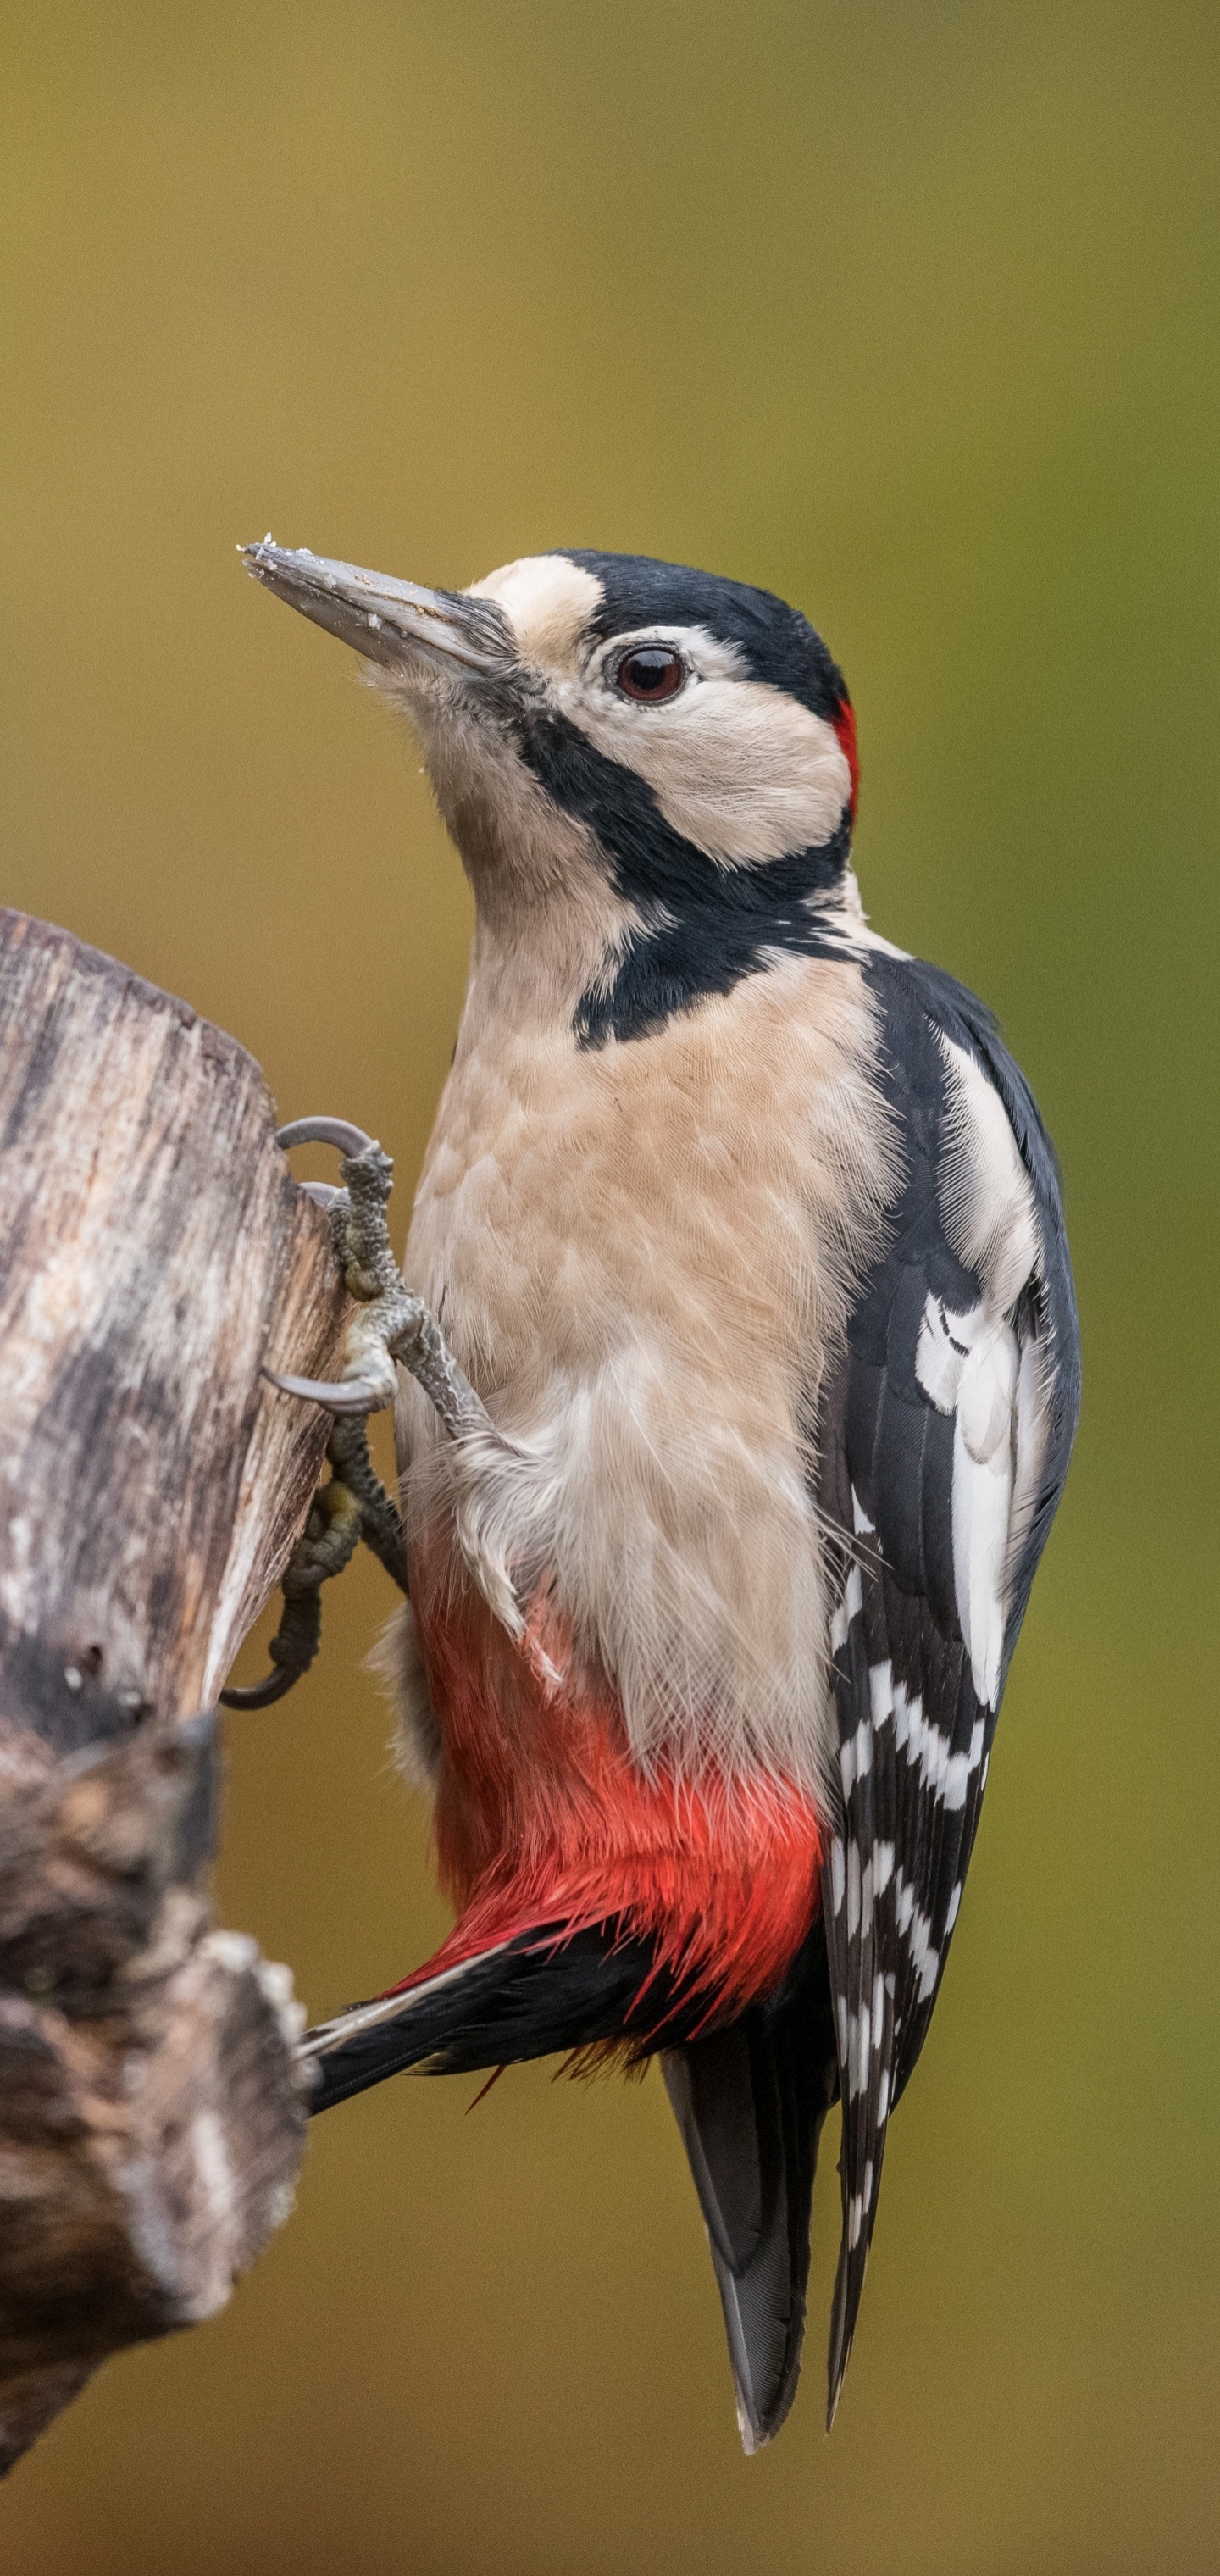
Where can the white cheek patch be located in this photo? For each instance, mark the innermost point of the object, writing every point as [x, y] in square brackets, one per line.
[549, 603]
[736, 766]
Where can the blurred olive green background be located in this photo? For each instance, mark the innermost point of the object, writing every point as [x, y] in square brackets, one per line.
[909, 313]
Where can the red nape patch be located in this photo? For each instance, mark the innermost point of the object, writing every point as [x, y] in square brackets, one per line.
[845, 727]
[542, 1817]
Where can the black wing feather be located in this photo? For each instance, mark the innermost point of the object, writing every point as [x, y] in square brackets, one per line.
[914, 1735]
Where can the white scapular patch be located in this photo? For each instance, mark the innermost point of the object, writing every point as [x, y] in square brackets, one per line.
[1032, 1422]
[969, 1366]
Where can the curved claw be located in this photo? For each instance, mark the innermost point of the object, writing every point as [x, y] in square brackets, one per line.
[321, 1192]
[260, 1694]
[339, 1395]
[324, 1131]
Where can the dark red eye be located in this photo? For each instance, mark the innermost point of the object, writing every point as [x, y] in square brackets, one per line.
[652, 672]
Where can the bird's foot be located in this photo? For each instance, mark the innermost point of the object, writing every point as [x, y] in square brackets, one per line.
[353, 1504]
[392, 1325]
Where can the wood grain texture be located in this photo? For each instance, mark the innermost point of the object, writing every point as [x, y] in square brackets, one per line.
[155, 1254]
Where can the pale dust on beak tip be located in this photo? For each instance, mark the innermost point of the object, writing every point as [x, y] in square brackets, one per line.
[387, 620]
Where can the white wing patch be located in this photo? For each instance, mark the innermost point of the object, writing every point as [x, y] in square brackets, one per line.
[969, 1364]
[986, 1201]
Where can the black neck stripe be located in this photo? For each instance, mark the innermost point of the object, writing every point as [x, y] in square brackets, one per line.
[704, 927]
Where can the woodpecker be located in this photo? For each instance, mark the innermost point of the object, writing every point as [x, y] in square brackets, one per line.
[742, 1373]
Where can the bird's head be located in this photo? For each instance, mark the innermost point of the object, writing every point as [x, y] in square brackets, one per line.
[657, 764]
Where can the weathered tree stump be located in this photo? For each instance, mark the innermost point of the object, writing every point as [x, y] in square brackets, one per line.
[154, 1254]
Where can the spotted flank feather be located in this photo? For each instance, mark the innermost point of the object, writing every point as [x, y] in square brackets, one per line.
[944, 1442]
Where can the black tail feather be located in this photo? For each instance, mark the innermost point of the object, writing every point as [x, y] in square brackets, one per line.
[542, 1992]
[750, 2102]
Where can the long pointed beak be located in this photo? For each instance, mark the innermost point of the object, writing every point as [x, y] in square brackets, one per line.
[388, 621]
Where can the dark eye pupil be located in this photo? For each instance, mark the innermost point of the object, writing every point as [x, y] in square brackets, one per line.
[652, 671]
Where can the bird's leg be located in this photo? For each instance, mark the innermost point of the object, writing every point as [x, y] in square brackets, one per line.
[389, 1326]
[339, 1517]
[380, 1526]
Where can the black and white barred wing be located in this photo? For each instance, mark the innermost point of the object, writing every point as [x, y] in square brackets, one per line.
[943, 1444]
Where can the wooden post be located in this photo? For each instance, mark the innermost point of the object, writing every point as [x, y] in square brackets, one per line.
[154, 1254]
